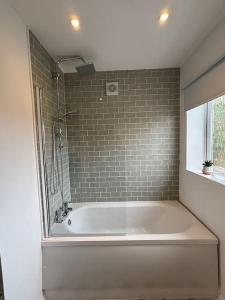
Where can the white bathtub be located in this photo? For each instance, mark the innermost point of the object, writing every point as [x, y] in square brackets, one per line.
[130, 250]
[158, 220]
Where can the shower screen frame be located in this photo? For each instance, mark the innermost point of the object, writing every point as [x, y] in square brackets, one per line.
[42, 173]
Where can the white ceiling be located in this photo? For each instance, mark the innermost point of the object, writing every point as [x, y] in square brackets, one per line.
[122, 34]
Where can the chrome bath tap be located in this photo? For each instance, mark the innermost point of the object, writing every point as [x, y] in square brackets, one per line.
[62, 212]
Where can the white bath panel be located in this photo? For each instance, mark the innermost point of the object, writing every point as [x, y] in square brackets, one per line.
[170, 263]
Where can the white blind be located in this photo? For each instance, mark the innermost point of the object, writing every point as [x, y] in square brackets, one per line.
[206, 88]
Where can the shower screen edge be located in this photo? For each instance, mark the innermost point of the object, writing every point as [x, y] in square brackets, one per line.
[42, 172]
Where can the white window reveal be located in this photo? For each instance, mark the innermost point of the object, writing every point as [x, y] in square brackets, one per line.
[206, 137]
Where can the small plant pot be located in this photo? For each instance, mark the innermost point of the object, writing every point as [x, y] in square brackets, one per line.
[207, 170]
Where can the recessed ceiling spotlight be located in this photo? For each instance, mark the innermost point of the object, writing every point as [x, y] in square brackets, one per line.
[75, 22]
[164, 16]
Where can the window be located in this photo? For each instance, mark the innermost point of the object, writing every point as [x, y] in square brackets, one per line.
[206, 136]
[216, 135]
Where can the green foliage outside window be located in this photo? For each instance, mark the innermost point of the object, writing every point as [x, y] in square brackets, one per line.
[219, 132]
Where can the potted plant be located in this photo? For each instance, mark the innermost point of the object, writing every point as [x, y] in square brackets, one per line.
[207, 167]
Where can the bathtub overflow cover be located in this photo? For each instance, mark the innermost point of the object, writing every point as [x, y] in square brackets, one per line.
[69, 222]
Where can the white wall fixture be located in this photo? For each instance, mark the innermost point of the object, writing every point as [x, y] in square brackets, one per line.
[164, 16]
[75, 22]
[112, 88]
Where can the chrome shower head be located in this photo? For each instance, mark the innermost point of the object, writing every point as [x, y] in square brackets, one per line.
[86, 69]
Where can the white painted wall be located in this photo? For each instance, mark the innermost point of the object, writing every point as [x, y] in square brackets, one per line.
[20, 230]
[205, 198]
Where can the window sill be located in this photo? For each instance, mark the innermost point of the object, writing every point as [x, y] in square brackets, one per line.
[209, 177]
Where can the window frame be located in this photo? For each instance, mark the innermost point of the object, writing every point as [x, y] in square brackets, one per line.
[209, 131]
[204, 141]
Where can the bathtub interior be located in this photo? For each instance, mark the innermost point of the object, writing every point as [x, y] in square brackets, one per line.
[123, 218]
[89, 219]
